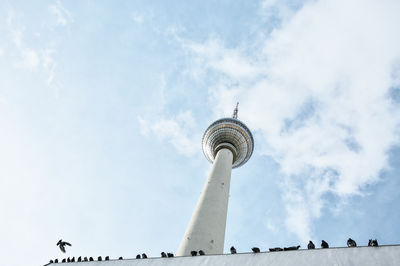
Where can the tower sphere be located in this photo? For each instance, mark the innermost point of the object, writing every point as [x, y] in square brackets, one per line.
[231, 134]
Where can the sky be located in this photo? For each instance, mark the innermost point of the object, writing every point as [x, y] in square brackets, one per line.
[103, 105]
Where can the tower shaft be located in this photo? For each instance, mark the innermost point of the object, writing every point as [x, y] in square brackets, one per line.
[206, 229]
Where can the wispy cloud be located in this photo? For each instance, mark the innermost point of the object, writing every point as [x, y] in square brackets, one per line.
[317, 92]
[62, 14]
[136, 17]
[176, 129]
[29, 58]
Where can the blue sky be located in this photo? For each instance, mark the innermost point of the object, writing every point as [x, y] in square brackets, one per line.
[103, 105]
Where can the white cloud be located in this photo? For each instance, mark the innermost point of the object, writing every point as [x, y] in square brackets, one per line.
[317, 92]
[137, 18]
[63, 15]
[175, 130]
[38, 59]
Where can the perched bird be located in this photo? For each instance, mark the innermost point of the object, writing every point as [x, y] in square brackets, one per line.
[91, 259]
[73, 259]
[163, 255]
[351, 243]
[292, 248]
[144, 256]
[51, 261]
[233, 250]
[193, 253]
[275, 249]
[310, 245]
[256, 250]
[85, 259]
[64, 261]
[120, 258]
[68, 259]
[201, 252]
[170, 255]
[324, 244]
[62, 245]
[107, 258]
[373, 243]
[79, 259]
[56, 261]
[138, 256]
[99, 258]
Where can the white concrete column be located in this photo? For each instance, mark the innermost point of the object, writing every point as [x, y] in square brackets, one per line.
[206, 229]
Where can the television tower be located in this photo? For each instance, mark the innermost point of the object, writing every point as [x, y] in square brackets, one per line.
[227, 143]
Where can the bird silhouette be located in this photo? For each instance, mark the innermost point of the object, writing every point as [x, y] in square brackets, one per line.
[138, 256]
[170, 255]
[255, 250]
[373, 243]
[351, 243]
[51, 261]
[107, 258]
[120, 258]
[275, 249]
[144, 256]
[292, 248]
[324, 244]
[64, 261]
[201, 252]
[56, 261]
[62, 245]
[99, 258]
[79, 259]
[310, 245]
[73, 259]
[163, 255]
[233, 250]
[91, 259]
[193, 253]
[68, 259]
[85, 259]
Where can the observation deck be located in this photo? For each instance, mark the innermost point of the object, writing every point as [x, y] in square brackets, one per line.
[232, 134]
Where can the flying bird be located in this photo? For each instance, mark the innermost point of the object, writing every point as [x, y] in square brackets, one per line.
[310, 245]
[324, 244]
[62, 245]
[233, 250]
[255, 250]
[351, 243]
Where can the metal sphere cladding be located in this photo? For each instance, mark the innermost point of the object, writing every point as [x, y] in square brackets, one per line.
[231, 134]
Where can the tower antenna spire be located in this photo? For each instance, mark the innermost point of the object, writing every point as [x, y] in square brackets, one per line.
[235, 111]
